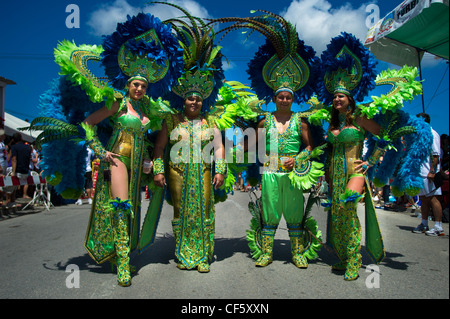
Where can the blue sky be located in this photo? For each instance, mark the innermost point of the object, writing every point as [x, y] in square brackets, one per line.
[32, 30]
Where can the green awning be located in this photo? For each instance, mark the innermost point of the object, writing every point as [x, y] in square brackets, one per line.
[412, 28]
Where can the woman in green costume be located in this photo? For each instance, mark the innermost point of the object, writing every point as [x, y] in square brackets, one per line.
[346, 177]
[190, 177]
[141, 57]
[348, 74]
[114, 228]
[194, 145]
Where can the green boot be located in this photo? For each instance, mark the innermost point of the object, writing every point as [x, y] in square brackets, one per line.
[340, 266]
[267, 238]
[352, 271]
[297, 249]
[353, 234]
[120, 214]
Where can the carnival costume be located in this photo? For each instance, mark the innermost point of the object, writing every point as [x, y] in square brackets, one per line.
[347, 67]
[283, 63]
[189, 173]
[142, 49]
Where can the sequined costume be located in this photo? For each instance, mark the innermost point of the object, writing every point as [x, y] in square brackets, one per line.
[279, 196]
[344, 228]
[127, 140]
[191, 192]
[284, 64]
[348, 73]
[143, 56]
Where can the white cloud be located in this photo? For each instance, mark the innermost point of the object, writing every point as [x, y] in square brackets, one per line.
[318, 21]
[104, 20]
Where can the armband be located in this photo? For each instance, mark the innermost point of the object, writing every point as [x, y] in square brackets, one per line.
[221, 166]
[158, 166]
[93, 141]
[376, 155]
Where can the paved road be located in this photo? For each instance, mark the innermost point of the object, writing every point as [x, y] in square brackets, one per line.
[39, 250]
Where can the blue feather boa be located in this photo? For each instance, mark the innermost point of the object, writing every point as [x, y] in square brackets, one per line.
[65, 158]
[403, 165]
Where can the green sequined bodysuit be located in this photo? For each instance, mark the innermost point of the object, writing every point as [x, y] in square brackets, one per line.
[344, 229]
[127, 140]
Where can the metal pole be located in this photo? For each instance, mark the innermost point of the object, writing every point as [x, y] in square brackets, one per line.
[420, 74]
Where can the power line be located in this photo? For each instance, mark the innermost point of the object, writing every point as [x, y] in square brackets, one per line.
[440, 82]
[20, 56]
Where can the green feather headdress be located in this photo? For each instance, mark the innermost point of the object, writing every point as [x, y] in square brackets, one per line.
[203, 72]
[284, 63]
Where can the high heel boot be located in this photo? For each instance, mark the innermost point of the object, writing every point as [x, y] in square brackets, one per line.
[121, 214]
[353, 234]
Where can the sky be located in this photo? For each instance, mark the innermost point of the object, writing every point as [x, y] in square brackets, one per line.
[30, 32]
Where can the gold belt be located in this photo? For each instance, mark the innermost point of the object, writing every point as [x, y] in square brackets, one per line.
[124, 145]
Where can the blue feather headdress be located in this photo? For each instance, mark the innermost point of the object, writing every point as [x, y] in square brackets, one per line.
[347, 67]
[143, 46]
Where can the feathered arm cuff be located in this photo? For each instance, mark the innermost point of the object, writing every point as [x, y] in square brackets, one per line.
[93, 141]
[306, 172]
[221, 166]
[158, 166]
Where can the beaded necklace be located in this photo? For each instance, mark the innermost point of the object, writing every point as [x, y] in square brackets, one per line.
[342, 121]
[137, 106]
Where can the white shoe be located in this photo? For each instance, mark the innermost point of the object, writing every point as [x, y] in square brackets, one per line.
[90, 201]
[79, 202]
[435, 232]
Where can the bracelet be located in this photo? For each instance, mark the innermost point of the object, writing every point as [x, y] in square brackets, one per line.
[376, 155]
[221, 166]
[93, 141]
[158, 166]
[97, 147]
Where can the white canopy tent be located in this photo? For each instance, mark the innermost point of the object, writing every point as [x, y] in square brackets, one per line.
[12, 124]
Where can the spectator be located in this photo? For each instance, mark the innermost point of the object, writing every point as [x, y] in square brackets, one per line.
[88, 178]
[429, 192]
[444, 198]
[33, 166]
[3, 161]
[20, 160]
